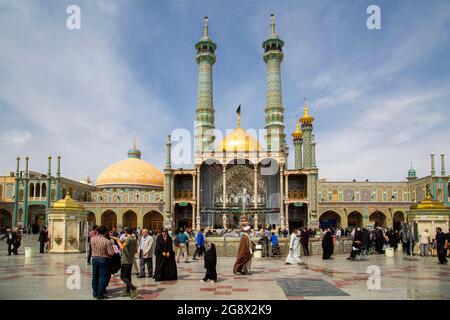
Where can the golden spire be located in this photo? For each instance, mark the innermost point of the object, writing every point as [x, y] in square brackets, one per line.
[297, 134]
[206, 28]
[272, 23]
[307, 118]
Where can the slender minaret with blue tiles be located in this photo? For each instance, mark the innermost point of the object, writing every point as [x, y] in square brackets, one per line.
[204, 118]
[274, 110]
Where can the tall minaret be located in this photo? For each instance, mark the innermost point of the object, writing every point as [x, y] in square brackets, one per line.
[273, 55]
[308, 143]
[168, 186]
[204, 118]
[297, 138]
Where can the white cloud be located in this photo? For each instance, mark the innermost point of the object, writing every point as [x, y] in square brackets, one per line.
[74, 91]
[15, 138]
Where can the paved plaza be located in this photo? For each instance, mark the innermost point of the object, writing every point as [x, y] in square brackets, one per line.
[45, 277]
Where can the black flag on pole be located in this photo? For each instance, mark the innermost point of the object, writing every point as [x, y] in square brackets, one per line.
[238, 110]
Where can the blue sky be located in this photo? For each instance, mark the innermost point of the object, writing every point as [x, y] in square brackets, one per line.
[380, 97]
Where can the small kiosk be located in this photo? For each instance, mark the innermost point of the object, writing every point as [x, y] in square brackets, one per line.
[66, 226]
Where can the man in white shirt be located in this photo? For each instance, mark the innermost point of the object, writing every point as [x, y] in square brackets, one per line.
[146, 249]
[424, 243]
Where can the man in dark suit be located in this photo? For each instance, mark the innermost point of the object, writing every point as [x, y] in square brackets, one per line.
[10, 239]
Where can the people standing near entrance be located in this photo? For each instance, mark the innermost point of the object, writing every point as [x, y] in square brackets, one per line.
[10, 237]
[210, 263]
[199, 244]
[294, 248]
[182, 240]
[424, 243]
[441, 245]
[245, 253]
[166, 267]
[327, 244]
[304, 240]
[43, 238]
[102, 251]
[129, 249]
[146, 250]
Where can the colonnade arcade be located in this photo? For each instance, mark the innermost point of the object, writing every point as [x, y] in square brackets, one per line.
[347, 217]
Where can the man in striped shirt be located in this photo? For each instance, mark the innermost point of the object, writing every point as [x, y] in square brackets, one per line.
[102, 251]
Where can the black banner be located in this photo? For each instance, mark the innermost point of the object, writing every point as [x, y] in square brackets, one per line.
[234, 211]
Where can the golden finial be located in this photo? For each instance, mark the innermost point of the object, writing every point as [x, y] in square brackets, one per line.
[272, 23]
[238, 111]
[297, 134]
[206, 27]
[306, 119]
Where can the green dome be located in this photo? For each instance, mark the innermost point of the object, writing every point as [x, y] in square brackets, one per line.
[134, 152]
[411, 172]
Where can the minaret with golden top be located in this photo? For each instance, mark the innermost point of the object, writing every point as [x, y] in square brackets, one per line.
[308, 141]
[297, 138]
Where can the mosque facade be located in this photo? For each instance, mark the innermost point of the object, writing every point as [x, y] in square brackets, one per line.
[238, 178]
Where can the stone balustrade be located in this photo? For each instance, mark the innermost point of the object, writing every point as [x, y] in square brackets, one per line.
[228, 246]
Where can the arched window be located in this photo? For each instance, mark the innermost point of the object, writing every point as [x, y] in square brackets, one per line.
[38, 190]
[31, 190]
[44, 190]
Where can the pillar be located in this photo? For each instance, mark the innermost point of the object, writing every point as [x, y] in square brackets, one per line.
[282, 220]
[198, 199]
[194, 208]
[16, 192]
[433, 171]
[25, 194]
[168, 186]
[224, 186]
[58, 180]
[287, 214]
[442, 165]
[49, 182]
[287, 187]
[255, 186]
[193, 187]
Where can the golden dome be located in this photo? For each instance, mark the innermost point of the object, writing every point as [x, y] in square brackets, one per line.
[239, 141]
[297, 134]
[68, 203]
[131, 171]
[307, 118]
[429, 204]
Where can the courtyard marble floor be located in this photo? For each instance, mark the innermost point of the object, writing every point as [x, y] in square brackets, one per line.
[45, 276]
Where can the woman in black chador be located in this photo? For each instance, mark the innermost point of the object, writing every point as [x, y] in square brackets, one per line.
[210, 264]
[166, 267]
[327, 245]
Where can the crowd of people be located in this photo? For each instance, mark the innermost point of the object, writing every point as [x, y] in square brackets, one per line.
[111, 251]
